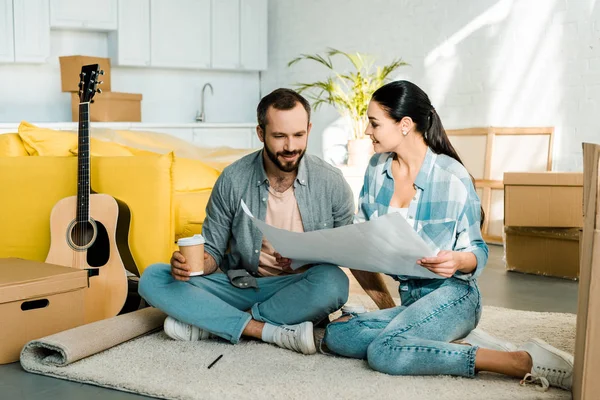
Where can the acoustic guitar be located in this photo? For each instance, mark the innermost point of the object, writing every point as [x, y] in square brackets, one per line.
[91, 231]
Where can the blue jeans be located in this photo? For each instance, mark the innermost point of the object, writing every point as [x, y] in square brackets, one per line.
[213, 304]
[414, 338]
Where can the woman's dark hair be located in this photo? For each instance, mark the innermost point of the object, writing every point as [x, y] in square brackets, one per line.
[402, 99]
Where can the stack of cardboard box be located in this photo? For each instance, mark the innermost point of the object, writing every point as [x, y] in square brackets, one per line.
[543, 218]
[108, 106]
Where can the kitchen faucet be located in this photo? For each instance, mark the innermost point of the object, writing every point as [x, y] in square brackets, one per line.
[201, 117]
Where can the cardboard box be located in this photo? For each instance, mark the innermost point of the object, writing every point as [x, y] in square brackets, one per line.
[586, 384]
[37, 300]
[543, 199]
[543, 251]
[70, 68]
[111, 107]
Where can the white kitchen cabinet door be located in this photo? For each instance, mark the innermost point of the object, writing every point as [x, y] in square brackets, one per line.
[180, 33]
[31, 30]
[84, 14]
[7, 44]
[130, 44]
[225, 34]
[253, 23]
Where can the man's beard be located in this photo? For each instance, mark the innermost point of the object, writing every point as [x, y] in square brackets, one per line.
[289, 166]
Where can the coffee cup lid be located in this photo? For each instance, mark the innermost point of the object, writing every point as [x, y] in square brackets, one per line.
[191, 241]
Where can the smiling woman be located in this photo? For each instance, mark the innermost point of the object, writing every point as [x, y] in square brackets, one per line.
[418, 174]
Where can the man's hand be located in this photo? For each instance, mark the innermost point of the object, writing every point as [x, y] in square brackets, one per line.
[284, 263]
[181, 271]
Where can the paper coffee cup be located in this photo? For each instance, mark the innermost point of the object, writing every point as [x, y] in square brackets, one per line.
[192, 249]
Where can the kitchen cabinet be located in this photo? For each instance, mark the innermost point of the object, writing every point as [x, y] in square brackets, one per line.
[84, 14]
[31, 31]
[130, 44]
[225, 36]
[253, 28]
[7, 44]
[180, 33]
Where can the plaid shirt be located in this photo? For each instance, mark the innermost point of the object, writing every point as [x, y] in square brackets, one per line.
[445, 210]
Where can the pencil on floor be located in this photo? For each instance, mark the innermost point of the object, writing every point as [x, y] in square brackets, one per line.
[214, 362]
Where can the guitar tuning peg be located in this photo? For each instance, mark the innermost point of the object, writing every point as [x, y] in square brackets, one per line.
[101, 72]
[100, 82]
[99, 90]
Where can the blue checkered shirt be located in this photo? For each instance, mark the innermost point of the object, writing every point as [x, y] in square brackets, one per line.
[445, 210]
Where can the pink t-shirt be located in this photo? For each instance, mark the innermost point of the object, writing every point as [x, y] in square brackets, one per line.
[282, 213]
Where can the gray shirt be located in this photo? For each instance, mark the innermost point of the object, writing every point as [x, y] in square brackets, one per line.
[324, 199]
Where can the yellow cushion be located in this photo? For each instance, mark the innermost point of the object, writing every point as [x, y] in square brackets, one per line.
[99, 148]
[143, 183]
[49, 142]
[191, 175]
[217, 158]
[190, 212]
[138, 152]
[11, 145]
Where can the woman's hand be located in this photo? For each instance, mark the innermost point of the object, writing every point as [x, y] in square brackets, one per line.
[445, 264]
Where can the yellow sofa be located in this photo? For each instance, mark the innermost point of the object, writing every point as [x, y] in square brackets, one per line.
[166, 193]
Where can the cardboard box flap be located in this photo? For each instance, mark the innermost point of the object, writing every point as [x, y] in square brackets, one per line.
[549, 233]
[23, 279]
[543, 178]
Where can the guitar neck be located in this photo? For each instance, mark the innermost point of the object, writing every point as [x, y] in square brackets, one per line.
[83, 164]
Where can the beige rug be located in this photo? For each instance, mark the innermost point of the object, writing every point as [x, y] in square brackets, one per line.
[156, 366]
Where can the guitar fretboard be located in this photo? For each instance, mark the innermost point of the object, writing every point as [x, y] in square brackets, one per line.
[83, 164]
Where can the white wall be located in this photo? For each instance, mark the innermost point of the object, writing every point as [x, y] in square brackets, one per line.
[485, 62]
[33, 92]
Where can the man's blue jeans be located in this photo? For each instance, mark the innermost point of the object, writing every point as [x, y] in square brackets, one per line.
[213, 304]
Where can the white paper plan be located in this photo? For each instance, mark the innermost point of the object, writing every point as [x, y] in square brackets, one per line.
[387, 244]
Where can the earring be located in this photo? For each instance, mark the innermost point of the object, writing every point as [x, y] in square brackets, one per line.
[405, 132]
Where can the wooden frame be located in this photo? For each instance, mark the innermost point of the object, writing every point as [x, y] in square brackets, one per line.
[587, 340]
[487, 183]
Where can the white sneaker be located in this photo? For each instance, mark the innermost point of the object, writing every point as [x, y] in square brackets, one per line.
[181, 331]
[480, 338]
[296, 337]
[551, 367]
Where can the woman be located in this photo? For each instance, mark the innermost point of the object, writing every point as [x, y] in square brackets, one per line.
[417, 173]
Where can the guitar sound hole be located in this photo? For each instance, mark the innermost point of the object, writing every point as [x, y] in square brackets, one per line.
[82, 233]
[99, 253]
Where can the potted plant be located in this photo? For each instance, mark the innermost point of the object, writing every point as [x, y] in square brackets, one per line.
[349, 93]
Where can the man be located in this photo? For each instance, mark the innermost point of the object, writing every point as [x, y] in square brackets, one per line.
[259, 295]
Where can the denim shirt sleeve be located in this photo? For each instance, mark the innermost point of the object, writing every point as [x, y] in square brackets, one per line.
[343, 204]
[469, 237]
[219, 216]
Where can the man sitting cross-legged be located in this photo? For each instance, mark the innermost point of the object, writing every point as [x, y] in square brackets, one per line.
[259, 295]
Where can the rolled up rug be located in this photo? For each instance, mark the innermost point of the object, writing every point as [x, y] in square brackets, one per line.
[66, 347]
